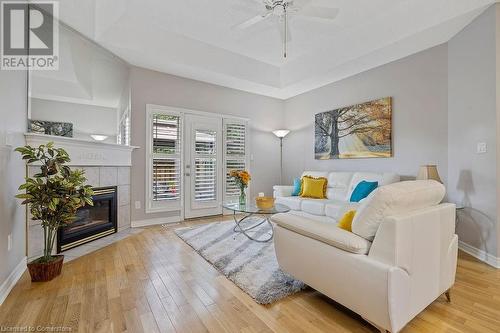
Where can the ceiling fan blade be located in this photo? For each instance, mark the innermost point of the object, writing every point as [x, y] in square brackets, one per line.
[325, 13]
[252, 21]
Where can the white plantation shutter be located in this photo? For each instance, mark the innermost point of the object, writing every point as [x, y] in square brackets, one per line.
[235, 153]
[164, 178]
[205, 186]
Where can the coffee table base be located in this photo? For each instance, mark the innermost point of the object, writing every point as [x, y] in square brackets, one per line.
[248, 230]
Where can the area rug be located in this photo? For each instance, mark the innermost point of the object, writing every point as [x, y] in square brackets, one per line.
[251, 265]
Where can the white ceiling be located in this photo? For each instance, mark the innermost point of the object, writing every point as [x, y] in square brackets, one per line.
[194, 38]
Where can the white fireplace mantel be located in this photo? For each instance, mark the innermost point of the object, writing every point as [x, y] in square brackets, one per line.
[86, 153]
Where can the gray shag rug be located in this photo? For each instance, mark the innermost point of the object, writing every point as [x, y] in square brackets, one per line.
[251, 265]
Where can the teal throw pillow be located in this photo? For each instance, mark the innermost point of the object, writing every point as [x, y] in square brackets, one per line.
[297, 185]
[362, 190]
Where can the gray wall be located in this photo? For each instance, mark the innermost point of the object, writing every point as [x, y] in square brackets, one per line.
[265, 114]
[472, 177]
[418, 85]
[13, 110]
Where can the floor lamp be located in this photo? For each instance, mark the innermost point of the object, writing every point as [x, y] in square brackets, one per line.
[281, 134]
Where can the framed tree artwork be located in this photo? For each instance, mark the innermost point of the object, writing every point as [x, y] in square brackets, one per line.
[356, 131]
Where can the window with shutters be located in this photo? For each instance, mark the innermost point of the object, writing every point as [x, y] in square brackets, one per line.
[205, 186]
[165, 147]
[235, 153]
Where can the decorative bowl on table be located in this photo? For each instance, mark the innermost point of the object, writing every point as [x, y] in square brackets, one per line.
[264, 202]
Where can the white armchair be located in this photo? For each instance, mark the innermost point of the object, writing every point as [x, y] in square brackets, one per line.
[410, 262]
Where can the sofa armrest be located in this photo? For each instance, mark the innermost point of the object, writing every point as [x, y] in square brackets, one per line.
[282, 191]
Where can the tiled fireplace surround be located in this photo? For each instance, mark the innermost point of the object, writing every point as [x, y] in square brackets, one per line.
[104, 165]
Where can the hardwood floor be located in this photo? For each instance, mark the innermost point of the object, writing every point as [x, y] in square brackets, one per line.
[154, 282]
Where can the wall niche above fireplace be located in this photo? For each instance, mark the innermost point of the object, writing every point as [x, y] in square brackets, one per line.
[92, 222]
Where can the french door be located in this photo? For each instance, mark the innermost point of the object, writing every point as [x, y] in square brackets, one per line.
[203, 167]
[189, 157]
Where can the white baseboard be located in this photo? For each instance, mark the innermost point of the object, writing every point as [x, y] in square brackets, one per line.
[480, 254]
[11, 280]
[161, 220]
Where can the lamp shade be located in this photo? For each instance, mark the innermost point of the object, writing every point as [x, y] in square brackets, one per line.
[281, 133]
[428, 172]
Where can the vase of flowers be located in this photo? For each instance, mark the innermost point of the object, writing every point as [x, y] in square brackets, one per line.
[53, 196]
[242, 179]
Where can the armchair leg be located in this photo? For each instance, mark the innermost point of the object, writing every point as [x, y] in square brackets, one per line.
[448, 295]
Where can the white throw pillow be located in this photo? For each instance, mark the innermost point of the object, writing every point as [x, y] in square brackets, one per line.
[395, 199]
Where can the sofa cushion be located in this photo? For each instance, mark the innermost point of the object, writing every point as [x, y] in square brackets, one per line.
[395, 199]
[323, 232]
[293, 203]
[319, 218]
[338, 184]
[314, 206]
[336, 208]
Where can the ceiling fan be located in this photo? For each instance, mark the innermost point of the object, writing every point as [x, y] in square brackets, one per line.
[282, 9]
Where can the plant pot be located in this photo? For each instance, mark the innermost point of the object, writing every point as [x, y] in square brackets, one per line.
[45, 271]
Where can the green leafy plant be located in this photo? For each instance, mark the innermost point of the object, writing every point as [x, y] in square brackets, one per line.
[55, 193]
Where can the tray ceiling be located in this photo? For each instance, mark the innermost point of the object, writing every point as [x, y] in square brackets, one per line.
[194, 38]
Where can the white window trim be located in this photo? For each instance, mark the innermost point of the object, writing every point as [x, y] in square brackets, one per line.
[150, 205]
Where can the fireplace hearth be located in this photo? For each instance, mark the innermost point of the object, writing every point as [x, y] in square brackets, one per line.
[92, 222]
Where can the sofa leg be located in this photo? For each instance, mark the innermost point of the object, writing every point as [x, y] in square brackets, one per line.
[447, 293]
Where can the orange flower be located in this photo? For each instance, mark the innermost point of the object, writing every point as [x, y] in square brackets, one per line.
[241, 176]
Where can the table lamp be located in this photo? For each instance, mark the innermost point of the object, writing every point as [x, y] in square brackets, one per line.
[428, 172]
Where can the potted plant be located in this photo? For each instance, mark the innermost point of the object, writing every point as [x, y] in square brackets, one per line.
[53, 196]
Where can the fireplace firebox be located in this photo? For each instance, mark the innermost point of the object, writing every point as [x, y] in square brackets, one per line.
[92, 222]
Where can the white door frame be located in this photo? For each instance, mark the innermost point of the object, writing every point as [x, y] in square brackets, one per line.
[193, 208]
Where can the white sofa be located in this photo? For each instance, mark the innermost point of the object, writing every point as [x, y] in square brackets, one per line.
[339, 190]
[388, 278]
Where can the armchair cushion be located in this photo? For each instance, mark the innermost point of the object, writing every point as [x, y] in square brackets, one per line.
[324, 232]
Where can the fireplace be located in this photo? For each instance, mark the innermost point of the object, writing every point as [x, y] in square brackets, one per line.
[92, 222]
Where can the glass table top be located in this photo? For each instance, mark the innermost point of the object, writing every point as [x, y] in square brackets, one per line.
[253, 209]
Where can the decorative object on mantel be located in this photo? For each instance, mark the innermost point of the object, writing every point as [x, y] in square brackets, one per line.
[428, 172]
[281, 134]
[50, 128]
[241, 179]
[53, 196]
[356, 131]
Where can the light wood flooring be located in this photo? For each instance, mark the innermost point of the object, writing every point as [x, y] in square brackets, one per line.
[154, 282]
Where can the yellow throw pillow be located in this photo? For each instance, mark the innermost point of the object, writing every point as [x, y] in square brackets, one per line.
[313, 187]
[346, 221]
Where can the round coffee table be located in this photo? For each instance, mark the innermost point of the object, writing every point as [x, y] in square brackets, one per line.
[247, 226]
